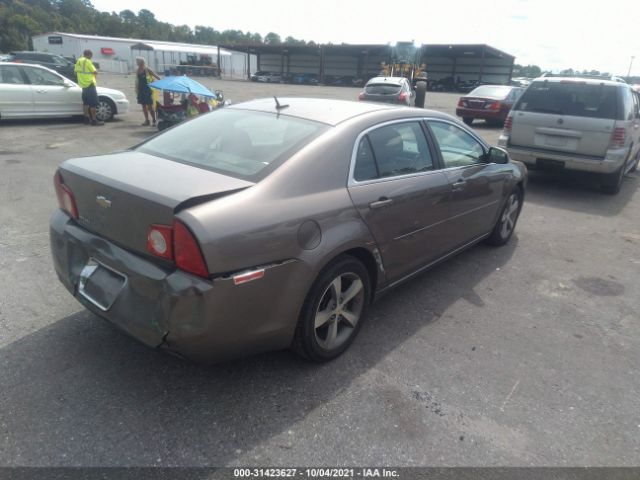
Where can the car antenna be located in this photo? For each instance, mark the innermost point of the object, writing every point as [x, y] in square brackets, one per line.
[278, 105]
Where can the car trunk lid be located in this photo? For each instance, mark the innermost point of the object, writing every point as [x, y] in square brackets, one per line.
[119, 196]
[475, 103]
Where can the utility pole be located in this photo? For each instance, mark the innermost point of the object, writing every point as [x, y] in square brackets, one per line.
[630, 65]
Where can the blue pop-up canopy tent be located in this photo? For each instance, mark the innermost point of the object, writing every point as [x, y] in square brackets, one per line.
[182, 84]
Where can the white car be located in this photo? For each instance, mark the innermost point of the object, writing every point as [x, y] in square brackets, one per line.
[34, 91]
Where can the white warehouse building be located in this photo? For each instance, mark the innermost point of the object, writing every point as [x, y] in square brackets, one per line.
[117, 55]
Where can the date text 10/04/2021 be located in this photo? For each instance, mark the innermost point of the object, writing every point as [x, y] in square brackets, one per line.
[315, 473]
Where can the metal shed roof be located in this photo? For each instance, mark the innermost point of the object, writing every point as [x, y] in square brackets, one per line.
[180, 48]
[142, 44]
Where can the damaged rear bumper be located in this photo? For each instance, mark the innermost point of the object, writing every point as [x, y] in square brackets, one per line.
[204, 320]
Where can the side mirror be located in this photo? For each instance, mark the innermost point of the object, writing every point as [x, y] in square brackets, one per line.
[497, 155]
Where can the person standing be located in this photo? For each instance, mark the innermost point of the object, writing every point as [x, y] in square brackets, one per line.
[144, 76]
[86, 73]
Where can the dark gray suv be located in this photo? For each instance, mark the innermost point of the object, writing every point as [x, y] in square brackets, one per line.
[54, 62]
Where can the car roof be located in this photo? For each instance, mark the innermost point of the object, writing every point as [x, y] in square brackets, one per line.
[585, 80]
[389, 80]
[321, 110]
[27, 64]
[26, 52]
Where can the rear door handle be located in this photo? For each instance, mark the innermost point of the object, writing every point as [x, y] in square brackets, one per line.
[41, 91]
[459, 185]
[382, 202]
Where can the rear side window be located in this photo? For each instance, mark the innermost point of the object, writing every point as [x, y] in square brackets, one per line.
[382, 89]
[11, 75]
[571, 98]
[393, 150]
[238, 143]
[627, 104]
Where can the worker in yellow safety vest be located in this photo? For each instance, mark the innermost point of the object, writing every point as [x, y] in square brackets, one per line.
[86, 73]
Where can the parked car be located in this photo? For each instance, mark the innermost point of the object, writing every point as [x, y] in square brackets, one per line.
[488, 102]
[304, 78]
[50, 60]
[269, 77]
[467, 85]
[576, 124]
[339, 80]
[520, 82]
[34, 91]
[388, 90]
[353, 198]
[259, 73]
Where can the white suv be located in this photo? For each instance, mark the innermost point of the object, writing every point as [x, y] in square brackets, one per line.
[576, 123]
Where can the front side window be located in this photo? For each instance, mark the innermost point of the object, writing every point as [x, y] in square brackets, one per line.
[398, 149]
[11, 75]
[458, 148]
[37, 76]
[239, 143]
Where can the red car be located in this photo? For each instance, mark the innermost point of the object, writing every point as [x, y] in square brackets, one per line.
[488, 102]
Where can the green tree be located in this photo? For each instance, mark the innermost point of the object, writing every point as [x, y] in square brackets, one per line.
[272, 39]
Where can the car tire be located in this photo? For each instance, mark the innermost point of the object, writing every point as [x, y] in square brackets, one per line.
[105, 110]
[635, 165]
[507, 220]
[328, 321]
[421, 94]
[467, 120]
[612, 182]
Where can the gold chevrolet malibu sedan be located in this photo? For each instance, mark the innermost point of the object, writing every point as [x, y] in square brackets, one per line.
[275, 223]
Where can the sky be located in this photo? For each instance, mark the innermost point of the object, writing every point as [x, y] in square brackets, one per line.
[554, 34]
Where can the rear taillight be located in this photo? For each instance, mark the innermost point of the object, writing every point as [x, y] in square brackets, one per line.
[177, 243]
[618, 138]
[494, 106]
[402, 97]
[361, 96]
[187, 251]
[66, 200]
[508, 123]
[461, 103]
[160, 241]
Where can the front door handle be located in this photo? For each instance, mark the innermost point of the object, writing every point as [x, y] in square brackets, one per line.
[459, 185]
[41, 91]
[382, 202]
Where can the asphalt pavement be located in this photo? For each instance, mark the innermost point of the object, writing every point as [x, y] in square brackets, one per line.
[521, 355]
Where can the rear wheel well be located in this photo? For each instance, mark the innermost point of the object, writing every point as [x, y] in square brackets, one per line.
[369, 261]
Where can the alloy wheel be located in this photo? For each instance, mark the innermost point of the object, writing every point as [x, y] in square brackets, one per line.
[339, 310]
[104, 112]
[510, 215]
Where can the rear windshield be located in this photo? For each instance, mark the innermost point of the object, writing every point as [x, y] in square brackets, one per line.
[382, 88]
[239, 143]
[491, 91]
[571, 98]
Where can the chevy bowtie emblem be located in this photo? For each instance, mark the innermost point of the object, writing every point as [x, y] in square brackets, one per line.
[103, 201]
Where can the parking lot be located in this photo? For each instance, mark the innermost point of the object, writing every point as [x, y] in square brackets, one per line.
[522, 355]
